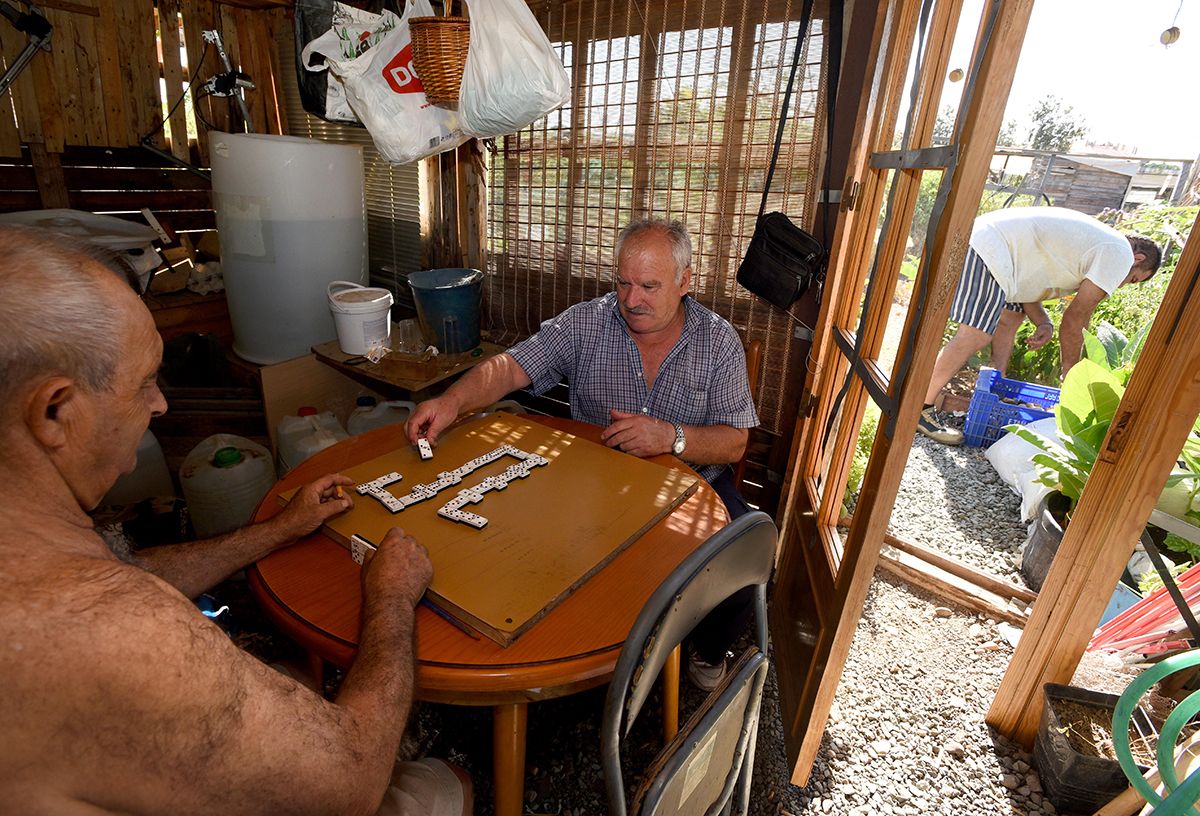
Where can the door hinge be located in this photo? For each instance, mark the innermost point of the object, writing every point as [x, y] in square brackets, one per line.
[808, 404]
[850, 199]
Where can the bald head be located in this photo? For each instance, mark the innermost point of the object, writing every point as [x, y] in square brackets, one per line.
[62, 308]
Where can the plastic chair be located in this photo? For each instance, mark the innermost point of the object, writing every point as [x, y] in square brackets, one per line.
[708, 764]
[1180, 796]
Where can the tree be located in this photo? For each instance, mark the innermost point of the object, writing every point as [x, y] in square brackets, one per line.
[1008, 135]
[943, 129]
[1055, 126]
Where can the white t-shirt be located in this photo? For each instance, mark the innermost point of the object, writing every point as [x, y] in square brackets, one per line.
[1041, 253]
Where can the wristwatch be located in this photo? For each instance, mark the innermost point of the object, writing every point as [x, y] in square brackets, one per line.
[680, 441]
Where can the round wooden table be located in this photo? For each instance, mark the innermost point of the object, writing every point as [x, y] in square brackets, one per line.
[312, 591]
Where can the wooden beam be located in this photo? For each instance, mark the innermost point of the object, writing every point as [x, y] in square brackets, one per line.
[979, 578]
[52, 186]
[472, 204]
[48, 101]
[950, 587]
[168, 37]
[112, 86]
[70, 8]
[1151, 424]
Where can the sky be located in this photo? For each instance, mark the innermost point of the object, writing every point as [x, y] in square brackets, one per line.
[1104, 58]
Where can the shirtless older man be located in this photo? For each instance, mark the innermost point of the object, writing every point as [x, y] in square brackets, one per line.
[119, 696]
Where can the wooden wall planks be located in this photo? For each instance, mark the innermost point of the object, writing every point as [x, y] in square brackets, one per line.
[101, 84]
[169, 45]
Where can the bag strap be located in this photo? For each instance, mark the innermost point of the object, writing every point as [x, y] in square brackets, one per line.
[833, 42]
[834, 50]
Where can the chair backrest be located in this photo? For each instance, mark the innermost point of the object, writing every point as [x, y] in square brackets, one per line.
[753, 371]
[741, 554]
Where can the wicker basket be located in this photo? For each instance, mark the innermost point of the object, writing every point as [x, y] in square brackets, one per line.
[440, 54]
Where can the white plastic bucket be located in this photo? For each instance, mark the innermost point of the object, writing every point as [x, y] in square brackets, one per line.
[361, 315]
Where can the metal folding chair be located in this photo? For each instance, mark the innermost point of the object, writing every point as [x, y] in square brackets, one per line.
[706, 768]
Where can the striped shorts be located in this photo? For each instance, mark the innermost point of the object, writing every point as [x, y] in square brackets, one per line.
[979, 300]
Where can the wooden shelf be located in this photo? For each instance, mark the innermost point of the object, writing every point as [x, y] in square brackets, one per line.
[403, 375]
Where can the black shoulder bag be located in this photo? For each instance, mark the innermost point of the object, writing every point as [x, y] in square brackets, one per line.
[782, 260]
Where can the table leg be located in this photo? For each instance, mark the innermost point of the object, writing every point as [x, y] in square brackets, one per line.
[316, 670]
[508, 757]
[670, 696]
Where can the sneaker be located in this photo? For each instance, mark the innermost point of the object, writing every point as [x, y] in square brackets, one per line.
[705, 676]
[936, 431]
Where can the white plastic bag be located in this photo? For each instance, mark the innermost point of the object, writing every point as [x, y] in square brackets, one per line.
[386, 94]
[1012, 457]
[512, 76]
[348, 29]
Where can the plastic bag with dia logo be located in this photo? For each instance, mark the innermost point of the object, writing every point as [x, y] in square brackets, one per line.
[385, 92]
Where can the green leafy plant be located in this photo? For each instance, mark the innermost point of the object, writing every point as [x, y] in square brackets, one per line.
[1112, 350]
[862, 453]
[1149, 581]
[1088, 402]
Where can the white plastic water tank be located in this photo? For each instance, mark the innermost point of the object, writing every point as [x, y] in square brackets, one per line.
[299, 437]
[291, 216]
[223, 479]
[368, 416]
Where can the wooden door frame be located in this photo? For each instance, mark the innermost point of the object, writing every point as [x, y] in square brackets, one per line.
[1154, 418]
[821, 586]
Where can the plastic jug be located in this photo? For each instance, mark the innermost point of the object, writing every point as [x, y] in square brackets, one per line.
[368, 416]
[223, 479]
[306, 433]
[150, 479]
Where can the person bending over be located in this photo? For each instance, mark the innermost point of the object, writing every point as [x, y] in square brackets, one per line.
[1017, 259]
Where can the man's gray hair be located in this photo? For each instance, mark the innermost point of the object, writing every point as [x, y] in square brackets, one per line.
[676, 233]
[55, 319]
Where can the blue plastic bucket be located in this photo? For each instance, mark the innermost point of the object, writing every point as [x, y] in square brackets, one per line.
[447, 302]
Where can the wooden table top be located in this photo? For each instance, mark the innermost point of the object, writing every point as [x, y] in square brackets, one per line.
[312, 590]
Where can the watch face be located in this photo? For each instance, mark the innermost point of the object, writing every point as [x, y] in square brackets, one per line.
[677, 448]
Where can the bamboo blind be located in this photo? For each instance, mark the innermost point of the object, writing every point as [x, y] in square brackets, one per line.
[673, 114]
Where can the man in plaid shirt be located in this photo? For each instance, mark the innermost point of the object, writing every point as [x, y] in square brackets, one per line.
[659, 372]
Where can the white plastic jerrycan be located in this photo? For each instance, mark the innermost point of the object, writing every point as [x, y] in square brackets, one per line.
[368, 415]
[306, 433]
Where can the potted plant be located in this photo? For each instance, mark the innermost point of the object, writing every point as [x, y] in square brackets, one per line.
[1074, 752]
[1091, 392]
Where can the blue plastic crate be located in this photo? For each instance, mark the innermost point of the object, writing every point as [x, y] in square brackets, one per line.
[989, 412]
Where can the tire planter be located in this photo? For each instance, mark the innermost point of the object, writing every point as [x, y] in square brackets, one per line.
[1075, 782]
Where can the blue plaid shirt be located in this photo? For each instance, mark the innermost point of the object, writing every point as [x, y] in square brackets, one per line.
[702, 381]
